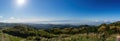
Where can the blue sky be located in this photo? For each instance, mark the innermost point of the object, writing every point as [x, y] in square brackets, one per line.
[48, 10]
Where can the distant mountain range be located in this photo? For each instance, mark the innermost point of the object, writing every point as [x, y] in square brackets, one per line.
[72, 22]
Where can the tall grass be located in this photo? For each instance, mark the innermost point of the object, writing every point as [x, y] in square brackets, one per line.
[83, 37]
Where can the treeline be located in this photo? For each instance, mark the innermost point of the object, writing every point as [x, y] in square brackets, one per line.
[25, 31]
[103, 28]
[74, 30]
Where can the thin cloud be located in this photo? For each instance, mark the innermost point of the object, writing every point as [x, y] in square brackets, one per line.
[22, 20]
[12, 18]
[1, 16]
[96, 20]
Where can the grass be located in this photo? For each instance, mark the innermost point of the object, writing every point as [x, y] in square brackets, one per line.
[0, 37]
[76, 37]
[83, 37]
[14, 38]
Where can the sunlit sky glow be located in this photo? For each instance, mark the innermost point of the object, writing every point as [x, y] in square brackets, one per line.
[20, 2]
[51, 10]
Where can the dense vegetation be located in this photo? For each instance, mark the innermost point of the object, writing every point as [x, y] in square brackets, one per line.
[103, 32]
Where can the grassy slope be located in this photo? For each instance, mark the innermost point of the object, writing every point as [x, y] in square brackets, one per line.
[83, 37]
[13, 38]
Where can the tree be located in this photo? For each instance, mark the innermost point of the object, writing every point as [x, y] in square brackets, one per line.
[56, 31]
[74, 31]
[102, 29]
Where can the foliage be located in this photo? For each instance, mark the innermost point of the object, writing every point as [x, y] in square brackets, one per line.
[103, 32]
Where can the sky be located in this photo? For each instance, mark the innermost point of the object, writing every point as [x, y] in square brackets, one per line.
[59, 10]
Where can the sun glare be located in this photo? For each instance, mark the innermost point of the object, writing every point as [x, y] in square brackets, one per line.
[21, 2]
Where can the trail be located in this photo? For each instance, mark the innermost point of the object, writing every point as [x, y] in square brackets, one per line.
[4, 37]
[23, 40]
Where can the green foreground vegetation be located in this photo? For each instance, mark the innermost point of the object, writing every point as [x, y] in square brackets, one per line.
[103, 32]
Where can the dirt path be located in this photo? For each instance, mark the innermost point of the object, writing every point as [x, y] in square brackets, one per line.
[23, 40]
[4, 37]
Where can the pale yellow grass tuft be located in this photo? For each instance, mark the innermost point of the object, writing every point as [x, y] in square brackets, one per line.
[118, 38]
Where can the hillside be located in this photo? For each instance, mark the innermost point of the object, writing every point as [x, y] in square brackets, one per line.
[103, 32]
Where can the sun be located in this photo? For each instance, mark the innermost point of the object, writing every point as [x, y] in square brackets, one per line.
[21, 2]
